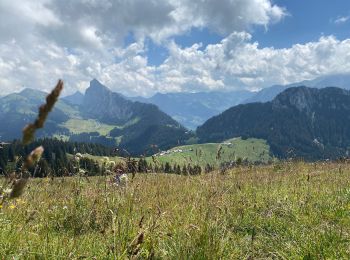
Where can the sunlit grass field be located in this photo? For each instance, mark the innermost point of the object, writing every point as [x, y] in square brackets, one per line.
[252, 150]
[289, 210]
[78, 126]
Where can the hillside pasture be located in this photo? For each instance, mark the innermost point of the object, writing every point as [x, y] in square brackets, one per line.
[252, 149]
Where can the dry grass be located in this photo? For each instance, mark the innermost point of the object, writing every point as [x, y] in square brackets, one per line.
[284, 211]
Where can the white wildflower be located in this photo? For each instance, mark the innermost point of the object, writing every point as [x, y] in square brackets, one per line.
[123, 179]
[7, 191]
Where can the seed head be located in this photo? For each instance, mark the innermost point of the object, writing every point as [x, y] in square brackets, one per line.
[44, 110]
[34, 157]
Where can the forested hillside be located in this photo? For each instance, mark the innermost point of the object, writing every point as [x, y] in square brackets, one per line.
[299, 122]
[55, 160]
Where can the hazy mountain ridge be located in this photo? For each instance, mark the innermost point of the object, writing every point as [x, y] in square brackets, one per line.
[75, 99]
[18, 109]
[301, 121]
[109, 118]
[135, 126]
[267, 94]
[193, 109]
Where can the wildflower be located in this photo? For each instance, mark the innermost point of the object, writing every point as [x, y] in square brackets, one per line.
[123, 179]
[7, 191]
[12, 206]
[82, 172]
[77, 157]
[120, 179]
[111, 164]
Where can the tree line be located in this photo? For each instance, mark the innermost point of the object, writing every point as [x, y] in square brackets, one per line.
[55, 156]
[61, 158]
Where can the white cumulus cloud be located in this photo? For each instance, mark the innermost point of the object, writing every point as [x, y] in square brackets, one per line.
[41, 41]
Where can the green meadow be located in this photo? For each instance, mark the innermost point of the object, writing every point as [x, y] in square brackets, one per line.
[289, 210]
[252, 150]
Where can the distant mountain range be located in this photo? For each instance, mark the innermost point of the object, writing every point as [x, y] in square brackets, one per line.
[99, 116]
[76, 99]
[267, 94]
[295, 121]
[303, 122]
[18, 109]
[193, 109]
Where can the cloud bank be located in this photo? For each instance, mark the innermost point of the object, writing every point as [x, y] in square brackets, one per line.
[41, 41]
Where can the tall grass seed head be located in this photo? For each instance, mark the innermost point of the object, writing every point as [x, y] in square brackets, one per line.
[34, 157]
[44, 110]
[37, 153]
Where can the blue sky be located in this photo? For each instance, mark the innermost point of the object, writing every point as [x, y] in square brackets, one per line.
[306, 21]
[140, 47]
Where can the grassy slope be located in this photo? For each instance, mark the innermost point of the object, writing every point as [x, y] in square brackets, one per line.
[116, 159]
[287, 211]
[201, 154]
[78, 126]
[255, 150]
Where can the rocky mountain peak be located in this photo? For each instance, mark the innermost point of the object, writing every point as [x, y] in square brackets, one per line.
[97, 87]
[302, 98]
